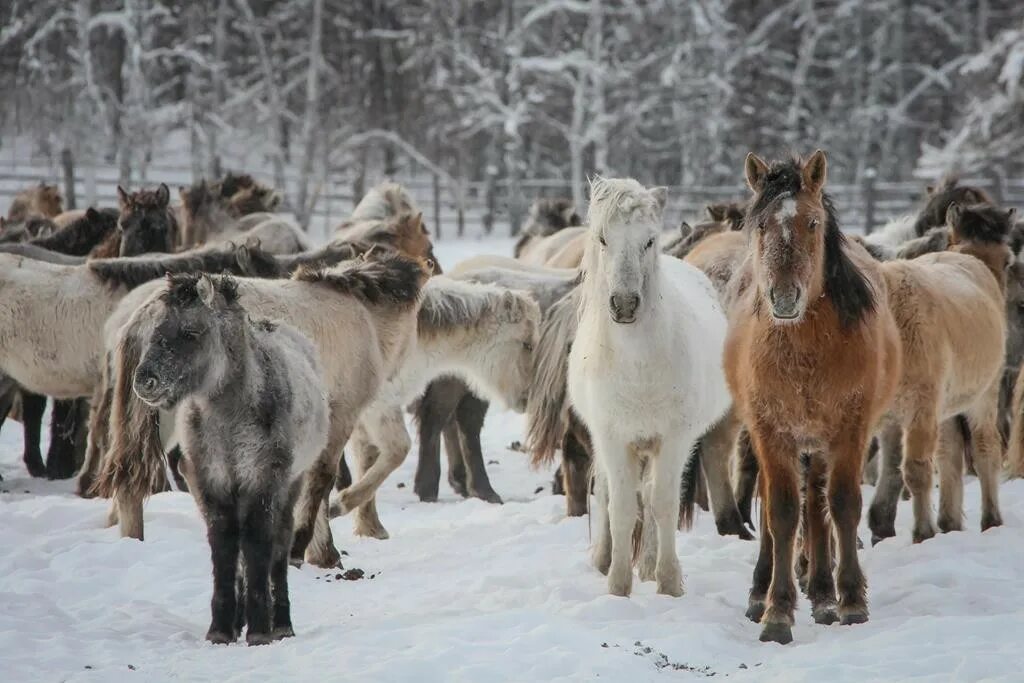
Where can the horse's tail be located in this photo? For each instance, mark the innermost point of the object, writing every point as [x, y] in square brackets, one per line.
[548, 403]
[387, 279]
[134, 463]
[688, 487]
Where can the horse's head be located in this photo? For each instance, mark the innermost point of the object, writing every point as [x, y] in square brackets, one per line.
[625, 221]
[196, 321]
[49, 202]
[940, 197]
[145, 223]
[788, 221]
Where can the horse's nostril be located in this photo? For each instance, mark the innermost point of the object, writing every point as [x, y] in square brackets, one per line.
[149, 384]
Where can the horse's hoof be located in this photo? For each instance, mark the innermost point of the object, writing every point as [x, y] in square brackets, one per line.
[755, 610]
[879, 536]
[220, 637]
[327, 560]
[427, 497]
[282, 632]
[745, 534]
[35, 466]
[947, 524]
[489, 497]
[825, 614]
[621, 585]
[777, 633]
[371, 531]
[991, 520]
[923, 534]
[296, 561]
[258, 638]
[671, 588]
[851, 618]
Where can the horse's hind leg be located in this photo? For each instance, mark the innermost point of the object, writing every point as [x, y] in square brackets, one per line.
[919, 442]
[60, 459]
[821, 587]
[988, 457]
[717, 448]
[470, 416]
[575, 469]
[313, 504]
[32, 408]
[96, 444]
[456, 459]
[762, 578]
[951, 476]
[746, 477]
[435, 410]
[882, 513]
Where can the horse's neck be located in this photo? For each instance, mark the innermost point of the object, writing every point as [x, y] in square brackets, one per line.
[241, 373]
[442, 353]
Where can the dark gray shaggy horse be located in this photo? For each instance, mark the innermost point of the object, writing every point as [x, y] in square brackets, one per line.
[253, 409]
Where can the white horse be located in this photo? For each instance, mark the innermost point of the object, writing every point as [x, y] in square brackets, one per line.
[645, 375]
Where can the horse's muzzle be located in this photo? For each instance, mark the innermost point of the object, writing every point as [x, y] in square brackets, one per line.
[785, 303]
[623, 307]
[148, 388]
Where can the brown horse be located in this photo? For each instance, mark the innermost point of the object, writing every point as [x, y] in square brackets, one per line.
[546, 218]
[41, 200]
[950, 309]
[812, 360]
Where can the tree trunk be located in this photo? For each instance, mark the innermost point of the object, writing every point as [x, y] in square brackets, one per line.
[310, 123]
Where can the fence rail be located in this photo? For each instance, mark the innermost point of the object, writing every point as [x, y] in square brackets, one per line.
[479, 208]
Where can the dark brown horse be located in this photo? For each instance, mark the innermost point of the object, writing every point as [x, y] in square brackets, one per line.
[812, 360]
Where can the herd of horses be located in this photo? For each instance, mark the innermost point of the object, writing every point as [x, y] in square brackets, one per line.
[760, 352]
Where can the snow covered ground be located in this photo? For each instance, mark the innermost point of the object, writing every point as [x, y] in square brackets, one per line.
[466, 591]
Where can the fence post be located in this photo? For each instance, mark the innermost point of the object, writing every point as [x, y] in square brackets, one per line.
[489, 199]
[869, 200]
[67, 163]
[437, 206]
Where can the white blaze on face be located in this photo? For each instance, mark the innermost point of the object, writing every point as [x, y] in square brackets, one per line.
[785, 215]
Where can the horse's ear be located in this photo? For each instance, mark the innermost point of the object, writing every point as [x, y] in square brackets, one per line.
[717, 212]
[569, 216]
[953, 214]
[755, 169]
[660, 196]
[122, 197]
[163, 194]
[929, 189]
[1010, 214]
[417, 222]
[206, 290]
[92, 214]
[815, 171]
[685, 229]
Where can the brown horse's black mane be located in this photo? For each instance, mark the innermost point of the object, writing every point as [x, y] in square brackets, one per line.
[949, 191]
[850, 292]
[327, 255]
[982, 223]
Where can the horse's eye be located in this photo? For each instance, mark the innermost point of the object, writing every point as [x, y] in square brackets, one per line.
[813, 223]
[650, 243]
[189, 333]
[601, 240]
[528, 346]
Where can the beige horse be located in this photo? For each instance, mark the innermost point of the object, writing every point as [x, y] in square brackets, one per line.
[950, 310]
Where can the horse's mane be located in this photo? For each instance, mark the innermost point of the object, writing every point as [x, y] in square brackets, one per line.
[80, 236]
[948, 191]
[619, 199]
[133, 271]
[548, 399]
[450, 304]
[850, 292]
[982, 223]
[326, 256]
[146, 199]
[183, 288]
[383, 201]
[386, 279]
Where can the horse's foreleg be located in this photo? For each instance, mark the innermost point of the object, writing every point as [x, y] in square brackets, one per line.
[470, 416]
[778, 457]
[882, 513]
[385, 429]
[919, 442]
[223, 534]
[257, 547]
[667, 472]
[847, 459]
[601, 551]
[32, 408]
[622, 469]
[64, 428]
[282, 613]
[821, 587]
[456, 459]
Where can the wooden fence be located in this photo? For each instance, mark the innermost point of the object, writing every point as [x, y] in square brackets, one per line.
[477, 209]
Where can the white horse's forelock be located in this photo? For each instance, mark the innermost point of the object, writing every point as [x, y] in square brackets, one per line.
[620, 200]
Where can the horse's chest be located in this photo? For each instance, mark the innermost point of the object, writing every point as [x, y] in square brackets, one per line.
[245, 456]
